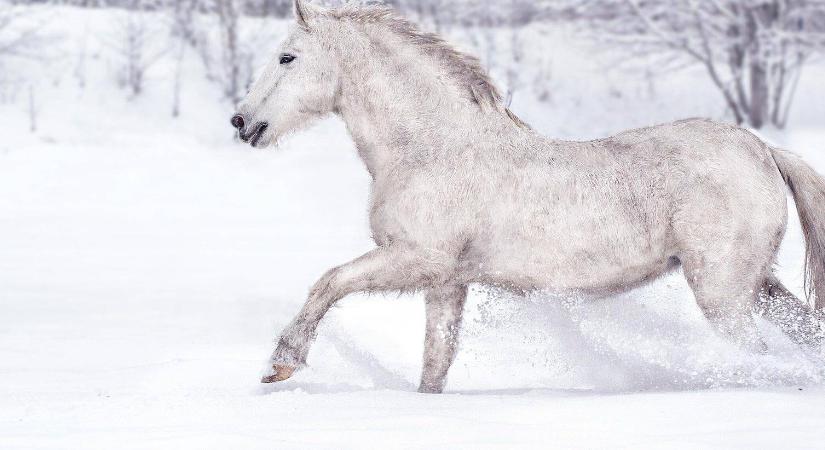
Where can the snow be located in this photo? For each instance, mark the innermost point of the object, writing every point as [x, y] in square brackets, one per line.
[147, 264]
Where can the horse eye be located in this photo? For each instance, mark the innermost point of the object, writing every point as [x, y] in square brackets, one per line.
[286, 58]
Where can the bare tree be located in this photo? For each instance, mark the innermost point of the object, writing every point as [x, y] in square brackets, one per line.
[233, 56]
[19, 32]
[435, 14]
[275, 8]
[80, 64]
[752, 50]
[182, 31]
[21, 41]
[134, 43]
[515, 66]
[33, 110]
[232, 70]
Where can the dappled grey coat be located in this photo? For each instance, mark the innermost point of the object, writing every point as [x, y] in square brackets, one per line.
[464, 192]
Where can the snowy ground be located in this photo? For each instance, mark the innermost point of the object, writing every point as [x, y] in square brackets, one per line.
[146, 265]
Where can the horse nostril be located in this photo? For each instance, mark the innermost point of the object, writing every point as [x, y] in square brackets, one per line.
[237, 121]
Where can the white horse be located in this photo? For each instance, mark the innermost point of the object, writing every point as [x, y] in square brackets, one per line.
[464, 192]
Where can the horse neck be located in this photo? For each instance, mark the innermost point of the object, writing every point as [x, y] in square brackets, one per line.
[395, 116]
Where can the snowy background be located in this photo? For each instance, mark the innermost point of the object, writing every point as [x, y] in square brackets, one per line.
[148, 260]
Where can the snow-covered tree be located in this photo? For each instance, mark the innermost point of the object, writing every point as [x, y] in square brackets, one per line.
[752, 50]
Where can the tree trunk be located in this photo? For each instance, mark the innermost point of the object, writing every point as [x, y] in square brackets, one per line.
[760, 100]
[760, 17]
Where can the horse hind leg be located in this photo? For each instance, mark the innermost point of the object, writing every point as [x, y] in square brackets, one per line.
[726, 296]
[795, 318]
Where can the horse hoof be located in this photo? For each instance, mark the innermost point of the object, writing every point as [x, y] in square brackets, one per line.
[281, 373]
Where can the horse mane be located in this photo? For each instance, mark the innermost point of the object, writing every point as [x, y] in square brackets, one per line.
[464, 68]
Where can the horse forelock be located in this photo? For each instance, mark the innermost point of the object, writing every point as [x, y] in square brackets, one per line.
[464, 69]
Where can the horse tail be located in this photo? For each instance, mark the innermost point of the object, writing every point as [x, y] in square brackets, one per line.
[808, 190]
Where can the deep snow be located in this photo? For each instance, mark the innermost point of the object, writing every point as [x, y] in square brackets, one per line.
[147, 264]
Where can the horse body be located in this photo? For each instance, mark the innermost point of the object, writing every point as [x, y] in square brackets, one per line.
[464, 192]
[596, 217]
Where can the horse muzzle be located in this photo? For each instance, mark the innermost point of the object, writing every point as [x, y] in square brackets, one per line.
[250, 133]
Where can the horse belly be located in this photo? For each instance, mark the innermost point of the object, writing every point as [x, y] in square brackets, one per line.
[590, 256]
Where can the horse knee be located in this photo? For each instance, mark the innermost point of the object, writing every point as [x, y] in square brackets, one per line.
[327, 284]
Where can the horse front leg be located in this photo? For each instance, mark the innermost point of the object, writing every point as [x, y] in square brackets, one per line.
[445, 307]
[390, 268]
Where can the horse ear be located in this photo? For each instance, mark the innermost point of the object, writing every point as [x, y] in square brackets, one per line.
[303, 12]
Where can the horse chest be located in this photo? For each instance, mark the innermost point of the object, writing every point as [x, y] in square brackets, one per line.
[413, 213]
